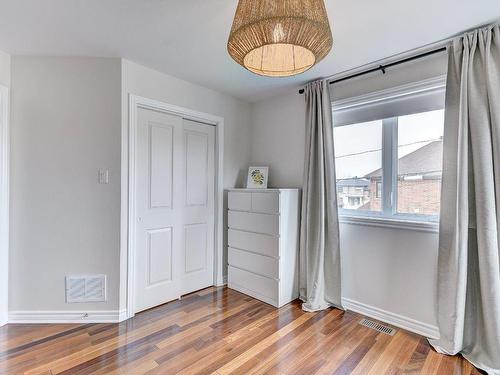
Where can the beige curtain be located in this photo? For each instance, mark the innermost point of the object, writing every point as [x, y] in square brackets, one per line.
[469, 257]
[319, 274]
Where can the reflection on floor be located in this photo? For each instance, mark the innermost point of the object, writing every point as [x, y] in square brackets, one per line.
[220, 331]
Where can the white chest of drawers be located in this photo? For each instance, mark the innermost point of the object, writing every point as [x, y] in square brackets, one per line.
[263, 241]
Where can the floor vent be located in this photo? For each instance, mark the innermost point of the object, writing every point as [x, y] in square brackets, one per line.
[378, 327]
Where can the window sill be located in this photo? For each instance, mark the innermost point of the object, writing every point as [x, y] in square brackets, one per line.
[421, 226]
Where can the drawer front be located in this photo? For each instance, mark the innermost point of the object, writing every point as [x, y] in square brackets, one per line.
[239, 201]
[259, 243]
[268, 203]
[255, 263]
[260, 223]
[259, 284]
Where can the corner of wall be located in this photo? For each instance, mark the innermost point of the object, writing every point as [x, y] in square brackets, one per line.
[5, 78]
[124, 188]
[5, 66]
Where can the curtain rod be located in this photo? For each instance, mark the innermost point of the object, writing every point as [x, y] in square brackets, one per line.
[383, 67]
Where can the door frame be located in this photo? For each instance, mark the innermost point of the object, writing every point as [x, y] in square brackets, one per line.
[4, 204]
[129, 158]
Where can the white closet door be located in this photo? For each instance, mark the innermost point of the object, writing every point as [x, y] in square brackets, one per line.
[174, 208]
[158, 212]
[198, 196]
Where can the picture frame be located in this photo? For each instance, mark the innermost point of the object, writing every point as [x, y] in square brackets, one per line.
[257, 177]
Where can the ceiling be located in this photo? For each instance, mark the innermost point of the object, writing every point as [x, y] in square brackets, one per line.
[187, 38]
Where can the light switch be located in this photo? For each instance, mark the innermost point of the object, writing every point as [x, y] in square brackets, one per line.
[103, 176]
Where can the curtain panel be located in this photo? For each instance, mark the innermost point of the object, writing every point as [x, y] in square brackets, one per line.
[468, 304]
[319, 275]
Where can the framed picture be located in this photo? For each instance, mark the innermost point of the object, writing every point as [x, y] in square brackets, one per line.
[257, 177]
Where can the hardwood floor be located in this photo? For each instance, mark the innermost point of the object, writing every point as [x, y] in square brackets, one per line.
[220, 331]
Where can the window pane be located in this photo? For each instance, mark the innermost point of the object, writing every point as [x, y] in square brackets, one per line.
[420, 150]
[358, 163]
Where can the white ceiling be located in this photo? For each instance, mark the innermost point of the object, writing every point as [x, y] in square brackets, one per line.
[187, 38]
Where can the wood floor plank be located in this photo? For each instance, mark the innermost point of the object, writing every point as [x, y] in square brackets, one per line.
[190, 334]
[262, 345]
[216, 352]
[287, 355]
[381, 341]
[255, 363]
[220, 331]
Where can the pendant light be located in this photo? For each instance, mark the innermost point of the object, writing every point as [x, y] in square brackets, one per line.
[279, 38]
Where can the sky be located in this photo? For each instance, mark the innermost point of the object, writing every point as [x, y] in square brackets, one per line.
[365, 140]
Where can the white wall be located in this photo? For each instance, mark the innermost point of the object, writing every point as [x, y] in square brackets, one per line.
[4, 249]
[385, 268]
[152, 84]
[68, 119]
[66, 124]
[4, 69]
[68, 115]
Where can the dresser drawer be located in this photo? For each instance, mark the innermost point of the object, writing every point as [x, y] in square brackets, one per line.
[253, 222]
[239, 201]
[259, 243]
[255, 263]
[268, 203]
[263, 286]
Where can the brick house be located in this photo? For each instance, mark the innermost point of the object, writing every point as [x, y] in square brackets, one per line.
[419, 182]
[353, 193]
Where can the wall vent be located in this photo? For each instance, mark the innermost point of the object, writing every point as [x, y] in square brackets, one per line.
[86, 288]
[378, 327]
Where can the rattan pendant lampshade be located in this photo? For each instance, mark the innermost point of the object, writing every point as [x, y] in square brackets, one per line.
[279, 38]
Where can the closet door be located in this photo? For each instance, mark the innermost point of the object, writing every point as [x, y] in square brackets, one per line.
[174, 208]
[198, 196]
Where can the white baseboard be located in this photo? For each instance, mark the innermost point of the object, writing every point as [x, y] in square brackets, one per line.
[397, 320]
[34, 317]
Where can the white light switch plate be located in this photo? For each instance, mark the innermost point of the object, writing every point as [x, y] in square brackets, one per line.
[103, 176]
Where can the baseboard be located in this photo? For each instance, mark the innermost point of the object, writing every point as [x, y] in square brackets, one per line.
[34, 317]
[122, 315]
[397, 320]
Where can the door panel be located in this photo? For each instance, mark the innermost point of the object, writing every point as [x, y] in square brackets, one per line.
[174, 207]
[195, 236]
[160, 156]
[159, 256]
[198, 214]
[197, 159]
[158, 226]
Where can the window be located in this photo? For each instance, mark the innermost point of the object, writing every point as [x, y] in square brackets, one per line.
[420, 154]
[358, 152]
[391, 166]
[379, 190]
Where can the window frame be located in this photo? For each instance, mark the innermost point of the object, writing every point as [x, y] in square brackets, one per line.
[378, 191]
[388, 215]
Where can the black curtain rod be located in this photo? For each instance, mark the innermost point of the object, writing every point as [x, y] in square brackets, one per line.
[382, 68]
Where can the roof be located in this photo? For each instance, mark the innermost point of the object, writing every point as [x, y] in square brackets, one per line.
[427, 160]
[355, 182]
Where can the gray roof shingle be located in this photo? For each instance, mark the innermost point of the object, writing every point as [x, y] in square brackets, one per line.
[427, 160]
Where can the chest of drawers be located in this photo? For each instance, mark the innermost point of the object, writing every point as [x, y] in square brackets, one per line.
[263, 241]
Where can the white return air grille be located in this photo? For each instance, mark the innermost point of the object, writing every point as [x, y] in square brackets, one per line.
[378, 327]
[88, 288]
